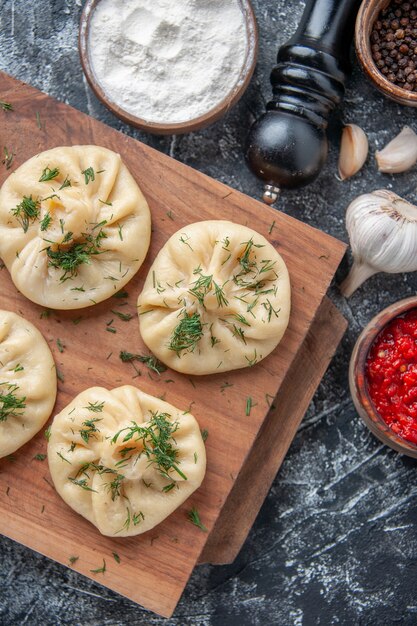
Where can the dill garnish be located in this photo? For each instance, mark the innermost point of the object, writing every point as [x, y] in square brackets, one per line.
[116, 557]
[39, 457]
[249, 405]
[49, 174]
[69, 259]
[204, 434]
[8, 158]
[157, 441]
[47, 433]
[6, 106]
[219, 293]
[201, 286]
[125, 317]
[149, 360]
[82, 482]
[27, 211]
[186, 334]
[271, 228]
[60, 345]
[99, 570]
[45, 222]
[185, 239]
[95, 407]
[90, 429]
[88, 175]
[66, 183]
[10, 404]
[194, 517]
[73, 559]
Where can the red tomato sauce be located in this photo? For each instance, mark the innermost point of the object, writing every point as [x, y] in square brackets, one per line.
[391, 375]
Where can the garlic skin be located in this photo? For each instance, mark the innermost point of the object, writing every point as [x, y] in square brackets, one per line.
[400, 154]
[382, 230]
[353, 151]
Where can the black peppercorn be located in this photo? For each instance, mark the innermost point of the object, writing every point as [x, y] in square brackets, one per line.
[394, 43]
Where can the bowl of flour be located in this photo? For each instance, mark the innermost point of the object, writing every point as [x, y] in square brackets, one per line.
[168, 67]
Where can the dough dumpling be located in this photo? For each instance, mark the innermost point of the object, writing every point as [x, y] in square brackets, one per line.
[27, 382]
[123, 459]
[74, 226]
[216, 298]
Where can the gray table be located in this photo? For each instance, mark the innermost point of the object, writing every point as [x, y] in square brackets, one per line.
[335, 541]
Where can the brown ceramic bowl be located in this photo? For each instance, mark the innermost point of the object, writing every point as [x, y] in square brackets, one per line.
[357, 381]
[211, 116]
[365, 20]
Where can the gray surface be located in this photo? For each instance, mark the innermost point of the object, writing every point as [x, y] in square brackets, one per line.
[335, 541]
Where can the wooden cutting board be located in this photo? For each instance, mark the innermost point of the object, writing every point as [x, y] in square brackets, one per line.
[154, 567]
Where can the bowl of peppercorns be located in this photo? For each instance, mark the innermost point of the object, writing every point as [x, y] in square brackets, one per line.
[386, 45]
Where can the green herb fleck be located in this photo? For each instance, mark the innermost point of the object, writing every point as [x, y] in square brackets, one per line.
[116, 557]
[8, 158]
[73, 559]
[186, 334]
[60, 345]
[125, 317]
[66, 183]
[6, 106]
[99, 570]
[39, 457]
[88, 175]
[10, 404]
[45, 222]
[204, 434]
[26, 212]
[149, 360]
[49, 174]
[194, 517]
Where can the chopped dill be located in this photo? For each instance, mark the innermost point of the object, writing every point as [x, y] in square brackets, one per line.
[73, 559]
[90, 429]
[157, 440]
[26, 212]
[149, 360]
[39, 457]
[10, 404]
[70, 258]
[125, 317]
[99, 570]
[60, 345]
[6, 106]
[49, 174]
[95, 407]
[8, 158]
[45, 222]
[194, 517]
[88, 175]
[219, 293]
[66, 183]
[204, 434]
[186, 334]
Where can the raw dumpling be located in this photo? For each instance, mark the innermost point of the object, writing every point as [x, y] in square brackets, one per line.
[216, 298]
[27, 382]
[123, 459]
[74, 226]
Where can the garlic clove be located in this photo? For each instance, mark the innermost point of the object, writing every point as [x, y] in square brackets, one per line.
[400, 154]
[353, 151]
[382, 230]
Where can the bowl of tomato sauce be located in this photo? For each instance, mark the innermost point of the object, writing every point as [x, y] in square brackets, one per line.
[383, 376]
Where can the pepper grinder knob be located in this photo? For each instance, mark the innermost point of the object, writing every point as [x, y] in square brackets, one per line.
[287, 147]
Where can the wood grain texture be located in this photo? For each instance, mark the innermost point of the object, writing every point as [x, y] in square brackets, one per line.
[155, 566]
[277, 432]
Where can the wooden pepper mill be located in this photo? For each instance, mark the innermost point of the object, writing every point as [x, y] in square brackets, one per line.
[287, 147]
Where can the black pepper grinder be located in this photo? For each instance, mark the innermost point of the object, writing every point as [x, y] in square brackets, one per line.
[287, 147]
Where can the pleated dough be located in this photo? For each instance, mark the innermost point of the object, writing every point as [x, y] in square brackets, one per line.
[27, 379]
[216, 298]
[101, 217]
[114, 480]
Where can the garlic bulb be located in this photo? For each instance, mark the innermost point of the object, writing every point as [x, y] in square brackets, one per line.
[353, 151]
[382, 230]
[400, 154]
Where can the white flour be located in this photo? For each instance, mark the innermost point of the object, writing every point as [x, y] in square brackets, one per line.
[167, 61]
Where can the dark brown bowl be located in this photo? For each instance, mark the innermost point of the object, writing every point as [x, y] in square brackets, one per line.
[365, 20]
[182, 127]
[357, 382]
